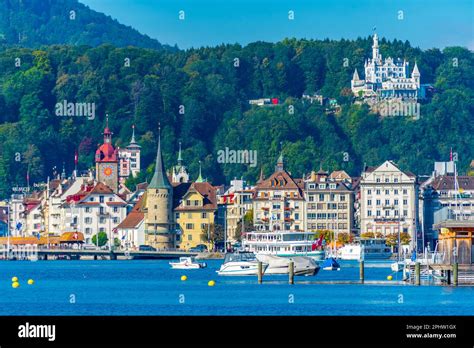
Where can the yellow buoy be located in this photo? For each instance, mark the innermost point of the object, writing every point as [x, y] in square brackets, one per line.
[30, 281]
[15, 284]
[14, 279]
[389, 277]
[184, 278]
[211, 283]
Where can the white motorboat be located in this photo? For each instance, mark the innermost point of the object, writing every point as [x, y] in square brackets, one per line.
[283, 243]
[240, 263]
[397, 266]
[187, 263]
[366, 248]
[279, 265]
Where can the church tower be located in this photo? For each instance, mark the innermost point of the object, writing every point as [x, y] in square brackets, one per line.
[106, 161]
[159, 221]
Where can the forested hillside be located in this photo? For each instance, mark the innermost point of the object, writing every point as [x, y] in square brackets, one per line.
[200, 97]
[32, 23]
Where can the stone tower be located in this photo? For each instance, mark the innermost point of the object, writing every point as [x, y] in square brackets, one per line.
[159, 220]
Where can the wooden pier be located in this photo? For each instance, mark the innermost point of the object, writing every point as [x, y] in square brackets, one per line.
[441, 274]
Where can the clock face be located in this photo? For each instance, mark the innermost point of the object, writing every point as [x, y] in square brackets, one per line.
[108, 170]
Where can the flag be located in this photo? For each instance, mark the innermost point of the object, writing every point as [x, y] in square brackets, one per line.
[38, 235]
[76, 158]
[75, 235]
[18, 226]
[123, 237]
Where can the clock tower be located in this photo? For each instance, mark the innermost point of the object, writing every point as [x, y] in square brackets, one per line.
[106, 161]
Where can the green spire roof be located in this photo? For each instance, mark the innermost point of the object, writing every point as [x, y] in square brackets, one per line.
[200, 179]
[160, 179]
[180, 159]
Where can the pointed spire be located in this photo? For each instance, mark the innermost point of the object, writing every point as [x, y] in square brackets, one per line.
[279, 166]
[415, 72]
[262, 177]
[200, 179]
[355, 77]
[63, 173]
[133, 135]
[160, 179]
[180, 159]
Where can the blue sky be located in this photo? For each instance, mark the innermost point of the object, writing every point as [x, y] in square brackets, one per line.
[425, 23]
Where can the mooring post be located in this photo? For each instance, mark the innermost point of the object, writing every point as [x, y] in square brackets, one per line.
[361, 271]
[259, 272]
[455, 274]
[291, 272]
[417, 273]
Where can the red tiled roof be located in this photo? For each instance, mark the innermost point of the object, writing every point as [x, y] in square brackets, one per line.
[209, 196]
[280, 180]
[135, 216]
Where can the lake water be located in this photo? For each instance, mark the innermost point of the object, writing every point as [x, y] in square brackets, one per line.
[150, 287]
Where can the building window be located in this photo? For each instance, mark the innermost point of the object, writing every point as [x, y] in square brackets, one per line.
[342, 198]
[377, 192]
[377, 180]
[321, 197]
[190, 237]
[387, 202]
[311, 198]
[377, 202]
[405, 213]
[405, 191]
[387, 180]
[204, 215]
[115, 209]
[297, 216]
[369, 202]
[395, 192]
[387, 213]
[377, 213]
[405, 202]
[369, 192]
[395, 202]
[190, 226]
[387, 192]
[101, 199]
[88, 209]
[369, 213]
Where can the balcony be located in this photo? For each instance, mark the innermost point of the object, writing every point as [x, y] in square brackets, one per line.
[449, 217]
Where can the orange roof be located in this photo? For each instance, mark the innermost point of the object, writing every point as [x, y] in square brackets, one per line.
[23, 240]
[71, 237]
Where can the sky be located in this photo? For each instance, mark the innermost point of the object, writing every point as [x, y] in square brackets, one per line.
[425, 23]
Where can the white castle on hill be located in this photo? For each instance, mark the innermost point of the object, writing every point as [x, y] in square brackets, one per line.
[388, 79]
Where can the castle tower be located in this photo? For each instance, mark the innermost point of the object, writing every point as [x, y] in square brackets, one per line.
[415, 75]
[279, 167]
[159, 221]
[179, 173]
[106, 161]
[375, 48]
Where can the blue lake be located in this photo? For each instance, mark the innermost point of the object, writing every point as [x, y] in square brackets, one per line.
[150, 287]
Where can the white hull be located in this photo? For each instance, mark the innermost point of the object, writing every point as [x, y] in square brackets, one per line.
[397, 266]
[187, 263]
[180, 266]
[240, 269]
[279, 265]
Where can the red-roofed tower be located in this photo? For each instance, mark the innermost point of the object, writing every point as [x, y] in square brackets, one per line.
[106, 161]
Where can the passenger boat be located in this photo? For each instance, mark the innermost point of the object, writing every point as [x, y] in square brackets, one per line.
[240, 263]
[303, 265]
[283, 243]
[187, 263]
[366, 248]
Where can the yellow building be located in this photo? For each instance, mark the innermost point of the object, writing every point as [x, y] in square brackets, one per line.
[196, 213]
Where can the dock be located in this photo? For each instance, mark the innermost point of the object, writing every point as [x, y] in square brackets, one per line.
[73, 254]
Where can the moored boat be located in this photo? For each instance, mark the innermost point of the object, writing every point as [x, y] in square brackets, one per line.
[330, 264]
[240, 263]
[187, 263]
[303, 265]
[365, 248]
[283, 243]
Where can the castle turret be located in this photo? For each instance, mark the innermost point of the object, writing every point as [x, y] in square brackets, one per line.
[375, 48]
[159, 221]
[416, 75]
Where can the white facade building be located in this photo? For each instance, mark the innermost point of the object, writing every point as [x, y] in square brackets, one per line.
[389, 201]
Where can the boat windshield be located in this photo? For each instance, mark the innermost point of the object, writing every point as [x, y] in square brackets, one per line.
[238, 257]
